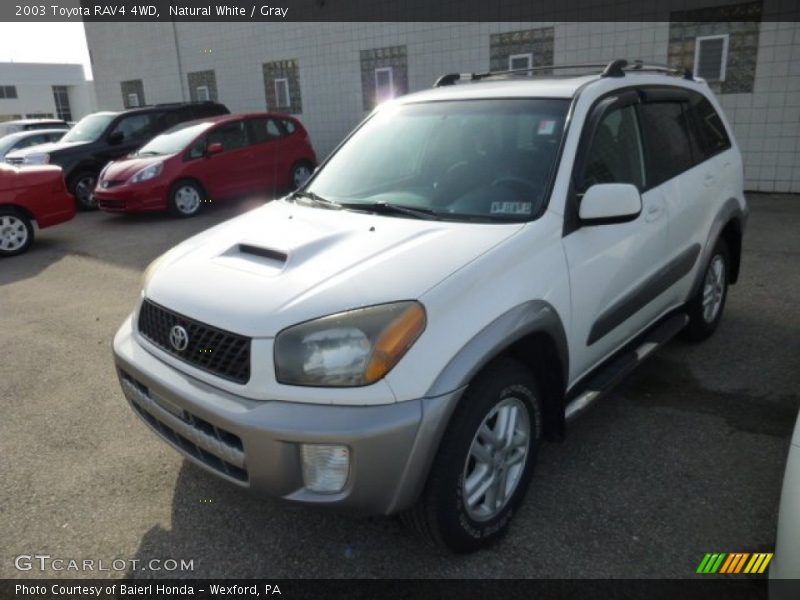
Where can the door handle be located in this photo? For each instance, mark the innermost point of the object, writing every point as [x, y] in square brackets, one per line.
[652, 213]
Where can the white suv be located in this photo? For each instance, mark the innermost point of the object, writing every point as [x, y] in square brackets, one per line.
[468, 270]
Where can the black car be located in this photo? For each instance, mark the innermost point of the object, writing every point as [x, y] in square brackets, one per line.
[102, 137]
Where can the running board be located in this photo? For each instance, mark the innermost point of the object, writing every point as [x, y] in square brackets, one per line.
[610, 374]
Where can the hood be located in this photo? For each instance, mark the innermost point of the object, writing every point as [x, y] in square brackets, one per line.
[124, 169]
[12, 178]
[47, 148]
[283, 264]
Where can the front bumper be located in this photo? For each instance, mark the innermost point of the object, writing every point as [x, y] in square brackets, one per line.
[131, 199]
[256, 444]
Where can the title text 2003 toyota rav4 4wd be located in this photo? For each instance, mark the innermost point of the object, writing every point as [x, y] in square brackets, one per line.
[469, 269]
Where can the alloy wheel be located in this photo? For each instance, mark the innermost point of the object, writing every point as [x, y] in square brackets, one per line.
[13, 233]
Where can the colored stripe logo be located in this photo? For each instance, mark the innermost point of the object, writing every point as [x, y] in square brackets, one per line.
[735, 563]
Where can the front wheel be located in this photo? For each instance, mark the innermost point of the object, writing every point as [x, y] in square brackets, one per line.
[705, 308]
[485, 461]
[186, 198]
[16, 232]
[81, 185]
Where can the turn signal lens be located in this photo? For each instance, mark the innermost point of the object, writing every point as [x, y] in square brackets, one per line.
[394, 341]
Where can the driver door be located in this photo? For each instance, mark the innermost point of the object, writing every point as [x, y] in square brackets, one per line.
[613, 267]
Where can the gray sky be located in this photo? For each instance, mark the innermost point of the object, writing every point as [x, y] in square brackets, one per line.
[44, 42]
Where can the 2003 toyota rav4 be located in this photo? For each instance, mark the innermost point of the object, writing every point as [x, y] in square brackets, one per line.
[467, 271]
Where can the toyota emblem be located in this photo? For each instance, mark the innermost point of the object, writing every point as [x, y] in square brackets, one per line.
[179, 338]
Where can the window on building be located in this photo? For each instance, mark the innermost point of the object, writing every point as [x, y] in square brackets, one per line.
[282, 98]
[615, 155]
[711, 57]
[133, 100]
[667, 137]
[202, 93]
[520, 61]
[61, 98]
[8, 92]
[384, 84]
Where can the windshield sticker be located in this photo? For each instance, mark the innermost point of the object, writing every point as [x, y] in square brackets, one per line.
[511, 208]
[547, 127]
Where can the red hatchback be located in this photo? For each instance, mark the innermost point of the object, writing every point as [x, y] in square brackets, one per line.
[31, 194]
[207, 160]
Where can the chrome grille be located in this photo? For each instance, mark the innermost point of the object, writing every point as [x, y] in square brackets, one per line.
[217, 351]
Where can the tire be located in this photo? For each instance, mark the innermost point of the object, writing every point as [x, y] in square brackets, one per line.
[16, 232]
[443, 515]
[706, 306]
[300, 172]
[81, 186]
[186, 198]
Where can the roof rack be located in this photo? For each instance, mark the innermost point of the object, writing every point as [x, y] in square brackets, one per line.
[615, 68]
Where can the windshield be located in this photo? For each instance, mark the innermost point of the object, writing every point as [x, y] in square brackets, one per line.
[175, 139]
[485, 159]
[89, 128]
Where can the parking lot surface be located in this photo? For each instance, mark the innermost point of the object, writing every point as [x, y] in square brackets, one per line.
[685, 457]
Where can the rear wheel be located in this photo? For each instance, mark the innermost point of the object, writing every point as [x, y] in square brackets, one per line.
[186, 198]
[485, 461]
[16, 232]
[81, 185]
[705, 308]
[301, 171]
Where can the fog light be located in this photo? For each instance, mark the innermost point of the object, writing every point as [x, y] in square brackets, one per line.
[325, 468]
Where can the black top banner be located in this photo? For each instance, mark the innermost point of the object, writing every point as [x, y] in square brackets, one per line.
[396, 10]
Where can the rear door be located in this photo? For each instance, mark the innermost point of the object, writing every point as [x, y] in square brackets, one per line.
[614, 267]
[689, 185]
[266, 155]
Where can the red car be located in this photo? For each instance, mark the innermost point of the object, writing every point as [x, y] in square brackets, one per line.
[207, 160]
[26, 195]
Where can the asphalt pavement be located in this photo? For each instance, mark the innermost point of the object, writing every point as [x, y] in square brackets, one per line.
[685, 457]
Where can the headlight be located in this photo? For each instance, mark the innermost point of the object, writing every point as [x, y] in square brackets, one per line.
[352, 348]
[36, 159]
[148, 173]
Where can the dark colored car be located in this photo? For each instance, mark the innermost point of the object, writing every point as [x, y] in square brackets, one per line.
[213, 158]
[102, 137]
[7, 127]
[27, 195]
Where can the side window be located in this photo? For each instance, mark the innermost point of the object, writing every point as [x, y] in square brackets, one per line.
[137, 126]
[263, 130]
[198, 149]
[615, 154]
[232, 136]
[709, 131]
[289, 126]
[667, 137]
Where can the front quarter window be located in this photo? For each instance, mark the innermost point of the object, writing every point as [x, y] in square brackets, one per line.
[488, 160]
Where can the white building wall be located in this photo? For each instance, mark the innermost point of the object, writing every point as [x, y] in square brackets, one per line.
[766, 122]
[34, 83]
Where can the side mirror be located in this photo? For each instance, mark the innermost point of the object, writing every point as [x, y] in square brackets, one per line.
[214, 148]
[605, 203]
[116, 138]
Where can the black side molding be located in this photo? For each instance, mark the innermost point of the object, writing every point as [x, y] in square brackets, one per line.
[648, 291]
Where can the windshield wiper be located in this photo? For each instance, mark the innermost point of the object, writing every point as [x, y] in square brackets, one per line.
[387, 208]
[317, 199]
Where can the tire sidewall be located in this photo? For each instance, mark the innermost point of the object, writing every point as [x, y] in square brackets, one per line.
[173, 207]
[74, 180]
[464, 533]
[28, 227]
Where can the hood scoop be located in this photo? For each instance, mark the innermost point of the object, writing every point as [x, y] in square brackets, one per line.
[268, 253]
